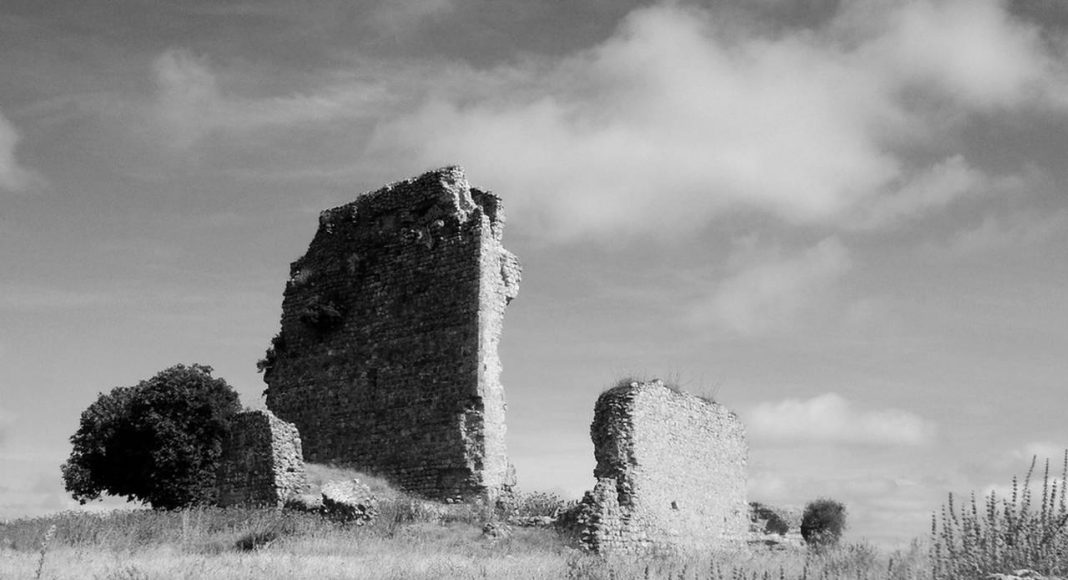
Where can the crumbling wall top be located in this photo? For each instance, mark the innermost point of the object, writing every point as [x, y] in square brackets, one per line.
[439, 194]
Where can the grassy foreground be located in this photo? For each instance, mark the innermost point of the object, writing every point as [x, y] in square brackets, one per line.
[266, 544]
[413, 539]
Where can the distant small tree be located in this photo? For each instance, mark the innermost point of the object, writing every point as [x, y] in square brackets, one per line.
[158, 442]
[823, 522]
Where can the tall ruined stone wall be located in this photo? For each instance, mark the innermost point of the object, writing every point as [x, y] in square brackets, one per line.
[387, 357]
[261, 463]
[671, 472]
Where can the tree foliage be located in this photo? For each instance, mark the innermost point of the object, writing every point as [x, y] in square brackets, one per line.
[158, 442]
[823, 522]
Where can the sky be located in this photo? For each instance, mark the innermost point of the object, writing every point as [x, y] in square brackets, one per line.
[846, 221]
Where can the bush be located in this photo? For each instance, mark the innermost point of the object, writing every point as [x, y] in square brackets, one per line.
[823, 522]
[1005, 534]
[158, 442]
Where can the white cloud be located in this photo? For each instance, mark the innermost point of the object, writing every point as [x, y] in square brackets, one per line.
[676, 119]
[972, 51]
[665, 125]
[13, 177]
[830, 418]
[771, 295]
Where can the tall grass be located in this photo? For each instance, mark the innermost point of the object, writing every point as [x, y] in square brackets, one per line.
[1023, 531]
[405, 542]
[416, 539]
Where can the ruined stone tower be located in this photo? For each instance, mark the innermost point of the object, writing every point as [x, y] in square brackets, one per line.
[387, 358]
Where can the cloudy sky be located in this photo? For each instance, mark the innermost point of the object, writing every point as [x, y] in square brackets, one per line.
[845, 220]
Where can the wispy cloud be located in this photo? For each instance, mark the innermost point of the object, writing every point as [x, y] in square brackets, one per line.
[191, 105]
[13, 177]
[930, 189]
[1042, 450]
[1015, 230]
[772, 294]
[971, 52]
[34, 298]
[6, 419]
[402, 16]
[830, 418]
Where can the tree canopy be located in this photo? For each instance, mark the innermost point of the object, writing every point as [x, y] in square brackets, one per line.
[157, 442]
[823, 522]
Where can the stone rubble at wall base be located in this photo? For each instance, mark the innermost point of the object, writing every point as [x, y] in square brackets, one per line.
[349, 502]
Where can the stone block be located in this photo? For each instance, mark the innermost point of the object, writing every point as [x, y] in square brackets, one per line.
[261, 463]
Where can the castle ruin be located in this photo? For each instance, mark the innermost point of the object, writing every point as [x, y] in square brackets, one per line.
[671, 472]
[387, 356]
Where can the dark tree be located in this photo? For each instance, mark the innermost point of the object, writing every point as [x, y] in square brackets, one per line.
[823, 522]
[158, 442]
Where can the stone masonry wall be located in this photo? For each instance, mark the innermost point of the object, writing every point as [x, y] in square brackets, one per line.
[261, 462]
[671, 472]
[387, 357]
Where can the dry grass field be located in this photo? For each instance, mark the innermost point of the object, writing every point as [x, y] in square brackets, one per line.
[409, 541]
[264, 544]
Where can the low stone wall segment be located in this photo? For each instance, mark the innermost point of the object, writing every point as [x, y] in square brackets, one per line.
[671, 472]
[262, 463]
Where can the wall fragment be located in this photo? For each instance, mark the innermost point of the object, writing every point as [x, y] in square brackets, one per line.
[261, 463]
[671, 472]
[387, 356]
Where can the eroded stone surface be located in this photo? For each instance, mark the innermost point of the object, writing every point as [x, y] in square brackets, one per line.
[261, 462]
[671, 472]
[387, 357]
